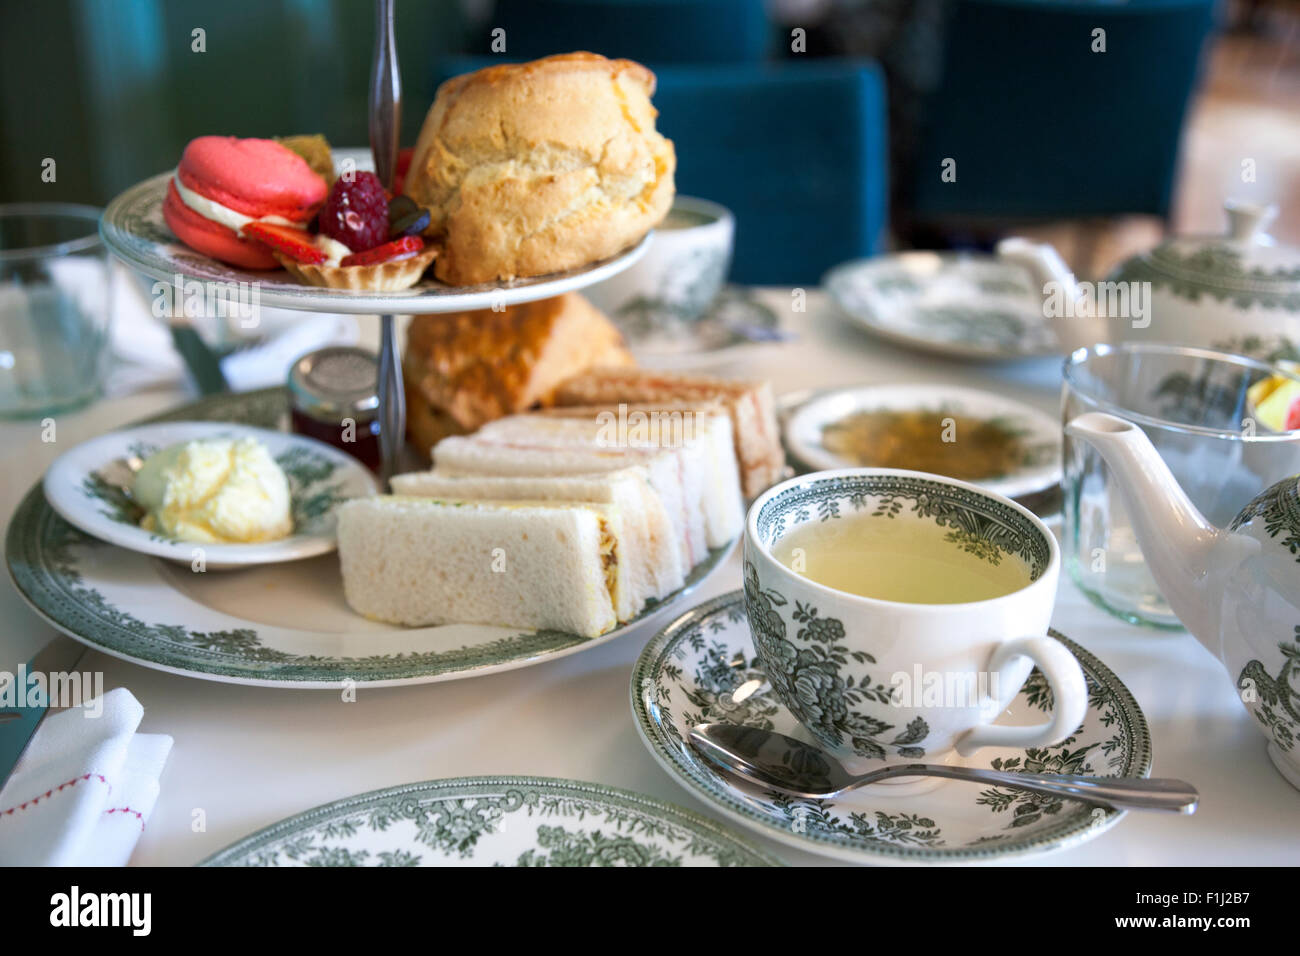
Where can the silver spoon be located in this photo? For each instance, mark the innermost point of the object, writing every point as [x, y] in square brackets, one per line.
[790, 766]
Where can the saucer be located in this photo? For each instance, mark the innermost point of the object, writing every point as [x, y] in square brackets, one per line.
[1038, 464]
[320, 479]
[495, 821]
[961, 305]
[737, 324]
[703, 667]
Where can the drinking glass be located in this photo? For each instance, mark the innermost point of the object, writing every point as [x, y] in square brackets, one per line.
[55, 296]
[1192, 404]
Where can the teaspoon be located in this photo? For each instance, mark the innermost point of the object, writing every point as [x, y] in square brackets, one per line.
[790, 766]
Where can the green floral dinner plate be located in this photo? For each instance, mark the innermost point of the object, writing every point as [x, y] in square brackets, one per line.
[495, 821]
[965, 306]
[703, 667]
[276, 625]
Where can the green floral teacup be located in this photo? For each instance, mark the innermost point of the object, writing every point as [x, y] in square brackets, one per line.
[896, 680]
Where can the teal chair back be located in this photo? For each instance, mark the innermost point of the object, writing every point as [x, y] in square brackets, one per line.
[112, 90]
[1040, 126]
[798, 152]
[649, 31]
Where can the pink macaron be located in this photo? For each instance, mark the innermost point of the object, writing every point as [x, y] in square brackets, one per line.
[251, 177]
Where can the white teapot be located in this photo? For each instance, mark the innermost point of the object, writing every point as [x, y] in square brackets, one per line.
[1239, 292]
[1237, 589]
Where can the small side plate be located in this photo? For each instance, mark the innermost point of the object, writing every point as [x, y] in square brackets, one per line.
[320, 478]
[1039, 466]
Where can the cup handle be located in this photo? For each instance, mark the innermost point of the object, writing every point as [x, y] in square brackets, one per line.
[1069, 692]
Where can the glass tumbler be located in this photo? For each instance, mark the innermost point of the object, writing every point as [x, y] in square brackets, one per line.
[1192, 404]
[55, 299]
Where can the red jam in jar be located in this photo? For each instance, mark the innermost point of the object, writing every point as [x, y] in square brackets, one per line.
[333, 397]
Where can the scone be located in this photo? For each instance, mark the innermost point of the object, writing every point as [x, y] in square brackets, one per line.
[468, 368]
[540, 167]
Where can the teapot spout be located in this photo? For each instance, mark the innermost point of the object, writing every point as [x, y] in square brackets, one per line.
[1187, 555]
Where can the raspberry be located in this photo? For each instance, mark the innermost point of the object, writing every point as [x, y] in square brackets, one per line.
[356, 213]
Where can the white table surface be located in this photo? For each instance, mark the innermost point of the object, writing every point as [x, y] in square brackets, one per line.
[249, 756]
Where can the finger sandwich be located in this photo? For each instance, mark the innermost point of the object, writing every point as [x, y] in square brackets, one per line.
[695, 482]
[528, 564]
[651, 566]
[750, 406]
[701, 446]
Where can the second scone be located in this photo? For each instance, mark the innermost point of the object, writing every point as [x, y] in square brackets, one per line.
[540, 167]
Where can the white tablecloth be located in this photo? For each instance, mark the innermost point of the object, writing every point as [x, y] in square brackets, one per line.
[245, 757]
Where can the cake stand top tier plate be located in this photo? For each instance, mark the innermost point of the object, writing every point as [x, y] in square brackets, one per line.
[134, 230]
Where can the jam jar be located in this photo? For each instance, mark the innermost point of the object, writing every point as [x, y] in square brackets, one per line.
[334, 398]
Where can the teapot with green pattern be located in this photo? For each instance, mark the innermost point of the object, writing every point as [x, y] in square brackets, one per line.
[1237, 589]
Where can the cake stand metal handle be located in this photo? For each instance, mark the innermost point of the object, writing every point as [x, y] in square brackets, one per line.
[385, 96]
[385, 131]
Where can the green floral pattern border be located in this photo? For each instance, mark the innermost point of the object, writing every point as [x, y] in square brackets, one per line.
[452, 820]
[1215, 272]
[979, 524]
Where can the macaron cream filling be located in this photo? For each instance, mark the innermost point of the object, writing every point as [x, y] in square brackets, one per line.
[224, 215]
[236, 221]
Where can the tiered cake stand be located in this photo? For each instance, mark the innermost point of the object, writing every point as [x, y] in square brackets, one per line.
[134, 230]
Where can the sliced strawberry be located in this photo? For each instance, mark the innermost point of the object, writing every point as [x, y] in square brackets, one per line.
[1293, 416]
[297, 244]
[402, 248]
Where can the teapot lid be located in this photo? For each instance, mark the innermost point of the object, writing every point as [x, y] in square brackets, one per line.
[1245, 266]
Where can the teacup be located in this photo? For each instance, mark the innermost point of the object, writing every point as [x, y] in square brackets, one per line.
[679, 277]
[897, 680]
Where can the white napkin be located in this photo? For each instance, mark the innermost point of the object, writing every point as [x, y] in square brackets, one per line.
[143, 355]
[85, 787]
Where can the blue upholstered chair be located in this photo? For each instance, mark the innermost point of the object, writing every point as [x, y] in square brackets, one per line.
[649, 31]
[1042, 127]
[797, 151]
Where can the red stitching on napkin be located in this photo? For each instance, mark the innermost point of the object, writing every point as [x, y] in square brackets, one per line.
[51, 792]
[135, 813]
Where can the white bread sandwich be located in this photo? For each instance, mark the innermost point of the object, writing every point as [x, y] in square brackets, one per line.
[423, 561]
[750, 404]
[688, 460]
[651, 565]
[478, 456]
[705, 424]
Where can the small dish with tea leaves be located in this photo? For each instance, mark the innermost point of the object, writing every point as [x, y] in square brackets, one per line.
[1002, 445]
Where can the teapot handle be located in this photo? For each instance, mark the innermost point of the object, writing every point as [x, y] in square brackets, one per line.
[1247, 221]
